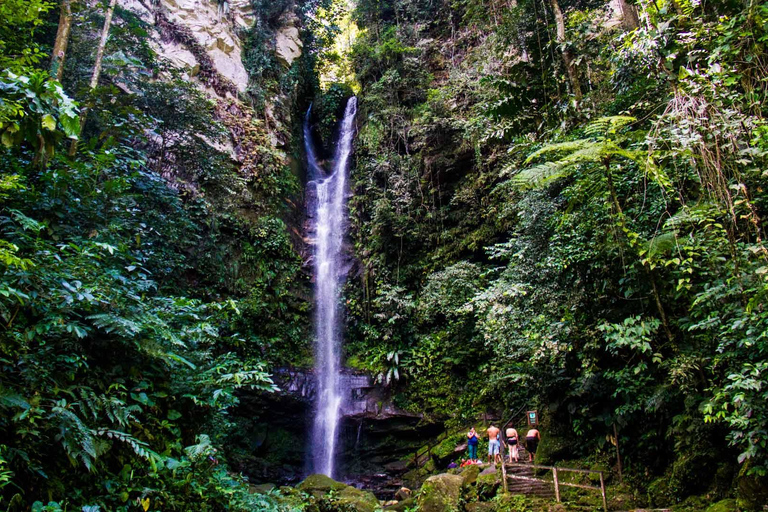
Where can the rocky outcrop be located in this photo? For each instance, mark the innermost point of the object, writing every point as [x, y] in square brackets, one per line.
[288, 43]
[210, 40]
[203, 39]
[441, 493]
[488, 483]
[344, 496]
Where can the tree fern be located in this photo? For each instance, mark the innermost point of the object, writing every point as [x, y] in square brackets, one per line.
[77, 439]
[140, 448]
[111, 323]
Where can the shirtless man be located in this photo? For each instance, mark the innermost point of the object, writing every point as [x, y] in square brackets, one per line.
[532, 439]
[494, 445]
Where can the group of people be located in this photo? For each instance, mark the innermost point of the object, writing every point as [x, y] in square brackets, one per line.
[532, 439]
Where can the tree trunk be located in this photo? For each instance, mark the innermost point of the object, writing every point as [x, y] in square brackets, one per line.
[96, 67]
[102, 44]
[62, 39]
[618, 451]
[570, 68]
[629, 18]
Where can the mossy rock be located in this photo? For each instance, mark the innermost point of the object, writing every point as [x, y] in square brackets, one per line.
[693, 504]
[659, 493]
[724, 506]
[692, 474]
[451, 448]
[320, 483]
[402, 506]
[440, 493]
[487, 486]
[752, 491]
[319, 486]
[361, 501]
[469, 474]
[415, 477]
[479, 506]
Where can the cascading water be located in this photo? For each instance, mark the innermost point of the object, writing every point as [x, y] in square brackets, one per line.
[329, 218]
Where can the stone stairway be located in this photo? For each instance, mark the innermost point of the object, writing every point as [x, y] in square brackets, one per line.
[520, 479]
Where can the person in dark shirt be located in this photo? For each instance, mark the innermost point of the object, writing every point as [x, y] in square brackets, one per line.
[472, 442]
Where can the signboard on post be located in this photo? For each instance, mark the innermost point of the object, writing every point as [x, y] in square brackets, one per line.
[533, 418]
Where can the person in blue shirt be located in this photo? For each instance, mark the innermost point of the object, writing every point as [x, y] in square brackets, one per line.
[472, 442]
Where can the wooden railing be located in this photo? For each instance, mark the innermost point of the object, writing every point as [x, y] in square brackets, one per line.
[558, 483]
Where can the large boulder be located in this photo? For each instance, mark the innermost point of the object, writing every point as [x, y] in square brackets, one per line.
[450, 449]
[320, 483]
[361, 501]
[487, 485]
[440, 493]
[320, 486]
[469, 474]
[403, 494]
[752, 491]
[402, 506]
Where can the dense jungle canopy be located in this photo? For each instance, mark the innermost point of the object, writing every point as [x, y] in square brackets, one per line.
[556, 205]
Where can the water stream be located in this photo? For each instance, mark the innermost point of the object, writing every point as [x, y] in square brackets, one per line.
[329, 218]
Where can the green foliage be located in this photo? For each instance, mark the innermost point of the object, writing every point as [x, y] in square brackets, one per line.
[18, 50]
[146, 284]
[604, 260]
[34, 110]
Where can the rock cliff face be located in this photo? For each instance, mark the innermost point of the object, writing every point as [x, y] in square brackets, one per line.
[218, 29]
[376, 439]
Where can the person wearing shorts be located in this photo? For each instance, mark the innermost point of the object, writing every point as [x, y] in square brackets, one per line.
[532, 439]
[512, 439]
[494, 445]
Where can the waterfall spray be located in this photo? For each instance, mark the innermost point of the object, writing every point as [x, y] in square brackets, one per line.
[330, 223]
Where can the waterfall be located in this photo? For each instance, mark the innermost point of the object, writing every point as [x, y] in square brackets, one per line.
[329, 218]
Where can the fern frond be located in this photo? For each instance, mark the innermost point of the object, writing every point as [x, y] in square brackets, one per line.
[703, 212]
[76, 438]
[201, 449]
[9, 400]
[559, 147]
[539, 175]
[140, 448]
[115, 324]
[603, 126]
